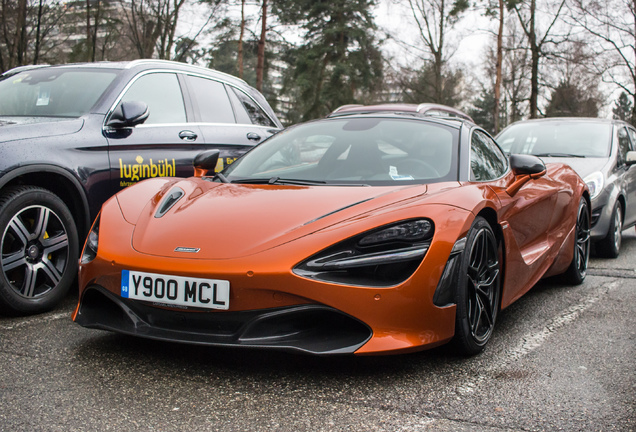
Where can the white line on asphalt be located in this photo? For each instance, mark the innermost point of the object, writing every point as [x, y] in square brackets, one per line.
[533, 341]
[41, 318]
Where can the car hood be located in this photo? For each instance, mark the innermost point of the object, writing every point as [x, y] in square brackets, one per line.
[225, 221]
[582, 166]
[19, 128]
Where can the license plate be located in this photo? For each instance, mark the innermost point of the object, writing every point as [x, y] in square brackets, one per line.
[175, 290]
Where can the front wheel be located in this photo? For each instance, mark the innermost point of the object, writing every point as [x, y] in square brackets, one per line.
[39, 246]
[610, 246]
[575, 275]
[478, 289]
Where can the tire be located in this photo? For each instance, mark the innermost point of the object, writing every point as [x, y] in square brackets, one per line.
[610, 246]
[39, 244]
[478, 289]
[575, 275]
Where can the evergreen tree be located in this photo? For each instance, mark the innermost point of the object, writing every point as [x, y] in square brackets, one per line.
[623, 108]
[483, 110]
[568, 100]
[338, 59]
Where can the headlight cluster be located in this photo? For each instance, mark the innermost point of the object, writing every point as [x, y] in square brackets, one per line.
[92, 241]
[595, 183]
[382, 257]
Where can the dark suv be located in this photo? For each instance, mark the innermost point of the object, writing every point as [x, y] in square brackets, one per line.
[71, 136]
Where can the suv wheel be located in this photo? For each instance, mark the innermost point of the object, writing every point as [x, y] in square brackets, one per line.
[39, 245]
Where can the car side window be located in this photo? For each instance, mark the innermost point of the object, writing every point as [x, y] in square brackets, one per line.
[632, 135]
[212, 100]
[247, 111]
[623, 146]
[487, 161]
[162, 93]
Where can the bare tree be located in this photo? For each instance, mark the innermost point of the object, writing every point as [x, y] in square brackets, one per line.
[613, 25]
[528, 14]
[434, 19]
[260, 57]
[240, 42]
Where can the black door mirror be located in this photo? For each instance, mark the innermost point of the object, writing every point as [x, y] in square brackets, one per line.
[205, 161]
[128, 114]
[526, 164]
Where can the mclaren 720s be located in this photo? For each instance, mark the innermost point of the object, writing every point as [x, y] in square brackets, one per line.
[362, 233]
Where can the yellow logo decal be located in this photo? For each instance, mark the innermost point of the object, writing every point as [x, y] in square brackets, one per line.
[131, 173]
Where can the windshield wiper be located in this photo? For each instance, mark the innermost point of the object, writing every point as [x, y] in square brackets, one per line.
[285, 181]
[564, 155]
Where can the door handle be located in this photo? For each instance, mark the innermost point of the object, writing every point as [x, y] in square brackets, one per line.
[253, 136]
[187, 135]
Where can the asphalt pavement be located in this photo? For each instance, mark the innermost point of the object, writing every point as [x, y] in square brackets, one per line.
[561, 358]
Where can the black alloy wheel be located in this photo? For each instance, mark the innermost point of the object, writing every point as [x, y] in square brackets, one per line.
[478, 290]
[575, 275]
[610, 246]
[39, 250]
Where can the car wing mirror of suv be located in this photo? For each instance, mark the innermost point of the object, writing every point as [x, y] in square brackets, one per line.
[128, 114]
[630, 158]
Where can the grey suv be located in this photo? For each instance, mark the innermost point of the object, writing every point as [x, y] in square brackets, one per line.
[73, 135]
[602, 152]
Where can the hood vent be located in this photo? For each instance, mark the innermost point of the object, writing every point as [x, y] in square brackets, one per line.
[169, 201]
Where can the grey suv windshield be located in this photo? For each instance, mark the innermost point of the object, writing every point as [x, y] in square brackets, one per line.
[374, 151]
[558, 139]
[52, 92]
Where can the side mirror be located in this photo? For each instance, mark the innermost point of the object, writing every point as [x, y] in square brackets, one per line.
[525, 168]
[630, 158]
[526, 165]
[205, 161]
[128, 114]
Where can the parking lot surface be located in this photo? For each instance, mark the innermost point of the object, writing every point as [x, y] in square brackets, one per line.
[561, 358]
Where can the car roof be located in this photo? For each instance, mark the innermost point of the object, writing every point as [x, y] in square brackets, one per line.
[142, 64]
[570, 119]
[423, 109]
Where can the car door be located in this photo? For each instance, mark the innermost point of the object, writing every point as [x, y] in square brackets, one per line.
[165, 144]
[630, 185]
[229, 119]
[529, 217]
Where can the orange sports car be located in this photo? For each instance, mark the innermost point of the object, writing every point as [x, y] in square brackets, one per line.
[366, 233]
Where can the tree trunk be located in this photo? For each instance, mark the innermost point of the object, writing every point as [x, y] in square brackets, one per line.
[240, 43]
[534, 49]
[88, 30]
[260, 60]
[498, 67]
[20, 34]
[38, 34]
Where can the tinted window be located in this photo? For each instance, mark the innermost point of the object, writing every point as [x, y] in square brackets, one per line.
[557, 138]
[162, 93]
[487, 162]
[248, 112]
[52, 92]
[359, 150]
[212, 100]
[632, 134]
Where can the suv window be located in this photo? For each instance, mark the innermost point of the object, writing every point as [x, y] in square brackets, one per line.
[487, 161]
[247, 112]
[212, 100]
[632, 135]
[162, 93]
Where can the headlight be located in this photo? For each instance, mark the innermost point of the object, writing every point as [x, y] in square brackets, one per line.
[92, 241]
[381, 257]
[595, 182]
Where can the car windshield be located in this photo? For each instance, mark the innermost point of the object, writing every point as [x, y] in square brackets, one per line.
[557, 139]
[53, 92]
[352, 151]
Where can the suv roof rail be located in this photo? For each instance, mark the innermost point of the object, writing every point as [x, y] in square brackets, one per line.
[19, 69]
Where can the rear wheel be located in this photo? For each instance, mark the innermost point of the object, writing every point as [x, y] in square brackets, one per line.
[575, 275]
[39, 246]
[478, 289]
[610, 246]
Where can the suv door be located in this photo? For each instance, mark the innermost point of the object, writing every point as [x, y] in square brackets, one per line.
[165, 144]
[228, 118]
